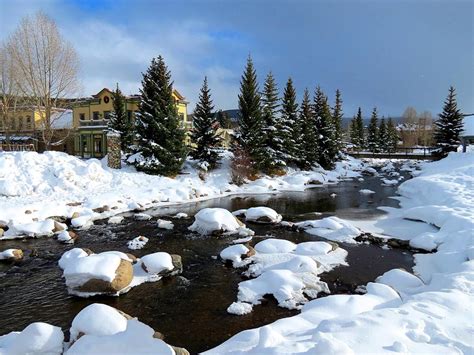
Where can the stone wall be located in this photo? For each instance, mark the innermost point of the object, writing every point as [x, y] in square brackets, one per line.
[113, 150]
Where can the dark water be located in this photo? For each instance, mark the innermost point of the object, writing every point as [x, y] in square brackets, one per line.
[190, 310]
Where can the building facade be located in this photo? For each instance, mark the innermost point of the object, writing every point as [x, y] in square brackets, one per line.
[91, 117]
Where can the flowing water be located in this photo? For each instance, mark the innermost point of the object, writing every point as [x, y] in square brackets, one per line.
[190, 309]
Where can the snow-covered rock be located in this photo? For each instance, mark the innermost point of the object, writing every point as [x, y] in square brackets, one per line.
[141, 217]
[164, 224]
[11, 255]
[37, 338]
[261, 214]
[331, 228]
[157, 263]
[366, 192]
[115, 220]
[283, 269]
[137, 243]
[212, 220]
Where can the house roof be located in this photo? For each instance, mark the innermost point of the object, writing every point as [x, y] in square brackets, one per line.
[137, 96]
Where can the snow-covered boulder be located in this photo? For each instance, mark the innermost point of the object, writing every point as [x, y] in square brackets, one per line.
[37, 338]
[141, 217]
[236, 253]
[366, 192]
[164, 224]
[115, 220]
[331, 228]
[137, 243]
[157, 263]
[216, 220]
[67, 237]
[104, 273]
[275, 246]
[261, 215]
[11, 255]
[101, 329]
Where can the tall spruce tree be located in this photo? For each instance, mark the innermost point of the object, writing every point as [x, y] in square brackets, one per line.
[359, 128]
[119, 120]
[272, 145]
[288, 123]
[204, 135]
[337, 120]
[373, 132]
[449, 126]
[353, 136]
[308, 141]
[160, 137]
[383, 136]
[324, 130]
[392, 136]
[249, 137]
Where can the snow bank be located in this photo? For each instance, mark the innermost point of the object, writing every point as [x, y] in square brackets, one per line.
[57, 184]
[429, 312]
[283, 269]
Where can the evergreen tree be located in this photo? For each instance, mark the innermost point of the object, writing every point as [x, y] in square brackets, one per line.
[449, 125]
[373, 132]
[287, 127]
[249, 138]
[161, 149]
[383, 136]
[273, 154]
[308, 142]
[119, 121]
[324, 130]
[359, 128]
[353, 136]
[204, 134]
[223, 119]
[337, 120]
[392, 136]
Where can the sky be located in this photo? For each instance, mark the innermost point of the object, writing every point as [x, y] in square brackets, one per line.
[385, 53]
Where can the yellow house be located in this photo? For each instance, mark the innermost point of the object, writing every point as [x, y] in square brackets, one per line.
[24, 125]
[91, 117]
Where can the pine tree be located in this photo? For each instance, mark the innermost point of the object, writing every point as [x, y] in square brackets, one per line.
[359, 128]
[119, 121]
[249, 137]
[324, 130]
[337, 120]
[308, 142]
[353, 136]
[449, 125]
[204, 134]
[161, 149]
[287, 126]
[373, 132]
[392, 136]
[383, 136]
[273, 154]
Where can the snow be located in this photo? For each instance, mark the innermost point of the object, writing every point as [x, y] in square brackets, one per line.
[57, 184]
[164, 224]
[137, 243]
[331, 228]
[366, 192]
[181, 215]
[96, 266]
[115, 220]
[7, 254]
[64, 237]
[428, 311]
[157, 262]
[234, 253]
[209, 220]
[98, 319]
[283, 269]
[255, 213]
[141, 217]
[37, 338]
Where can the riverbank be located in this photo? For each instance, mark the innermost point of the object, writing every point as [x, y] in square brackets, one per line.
[429, 312]
[35, 187]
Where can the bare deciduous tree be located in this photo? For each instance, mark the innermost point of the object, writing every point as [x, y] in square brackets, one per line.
[9, 92]
[47, 65]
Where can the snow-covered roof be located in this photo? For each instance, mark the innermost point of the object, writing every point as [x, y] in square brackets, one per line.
[468, 126]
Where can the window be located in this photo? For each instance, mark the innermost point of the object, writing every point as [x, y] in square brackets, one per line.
[181, 117]
[82, 116]
[28, 122]
[95, 115]
[107, 115]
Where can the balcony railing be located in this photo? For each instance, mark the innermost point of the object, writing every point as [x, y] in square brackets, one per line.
[93, 123]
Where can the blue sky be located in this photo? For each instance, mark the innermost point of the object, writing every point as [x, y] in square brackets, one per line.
[385, 53]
